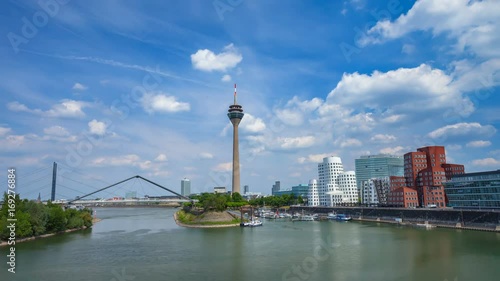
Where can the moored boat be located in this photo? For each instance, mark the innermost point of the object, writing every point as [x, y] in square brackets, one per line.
[342, 217]
[331, 216]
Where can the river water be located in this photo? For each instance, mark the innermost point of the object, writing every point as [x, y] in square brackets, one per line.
[146, 244]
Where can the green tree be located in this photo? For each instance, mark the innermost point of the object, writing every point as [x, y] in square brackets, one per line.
[221, 203]
[237, 197]
[39, 217]
[23, 225]
[87, 218]
[4, 231]
[57, 219]
[5, 207]
[73, 219]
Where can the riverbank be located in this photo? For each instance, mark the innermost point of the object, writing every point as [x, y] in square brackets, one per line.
[207, 223]
[4, 243]
[478, 220]
[427, 224]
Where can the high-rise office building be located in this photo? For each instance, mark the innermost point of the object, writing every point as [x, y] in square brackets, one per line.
[377, 166]
[185, 187]
[480, 190]
[276, 187]
[246, 189]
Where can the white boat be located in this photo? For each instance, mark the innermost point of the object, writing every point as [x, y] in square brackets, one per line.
[307, 218]
[331, 216]
[425, 225]
[255, 223]
[303, 218]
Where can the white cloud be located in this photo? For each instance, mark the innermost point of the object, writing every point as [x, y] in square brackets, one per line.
[381, 138]
[224, 167]
[463, 129]
[393, 118]
[403, 91]
[206, 155]
[486, 162]
[16, 106]
[161, 102]
[453, 147]
[398, 150]
[478, 143]
[296, 142]
[4, 131]
[207, 60]
[474, 25]
[252, 124]
[79, 87]
[97, 127]
[161, 158]
[290, 117]
[125, 160]
[295, 110]
[350, 142]
[15, 140]
[66, 108]
[306, 105]
[313, 158]
[408, 49]
[57, 131]
[226, 78]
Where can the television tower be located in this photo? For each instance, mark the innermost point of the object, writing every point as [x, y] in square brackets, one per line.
[235, 114]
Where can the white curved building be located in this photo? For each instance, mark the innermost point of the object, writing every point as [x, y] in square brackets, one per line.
[348, 185]
[313, 194]
[334, 185]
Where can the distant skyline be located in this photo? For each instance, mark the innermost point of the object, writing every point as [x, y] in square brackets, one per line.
[111, 89]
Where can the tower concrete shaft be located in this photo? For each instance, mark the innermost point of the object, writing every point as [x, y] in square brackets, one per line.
[235, 114]
[236, 157]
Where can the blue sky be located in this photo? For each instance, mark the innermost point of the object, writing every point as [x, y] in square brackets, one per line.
[111, 89]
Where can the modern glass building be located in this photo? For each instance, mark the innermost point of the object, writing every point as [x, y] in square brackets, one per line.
[185, 187]
[377, 166]
[276, 187]
[474, 190]
[298, 190]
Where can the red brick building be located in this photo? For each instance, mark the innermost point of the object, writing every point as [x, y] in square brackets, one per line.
[403, 197]
[397, 182]
[426, 170]
[453, 169]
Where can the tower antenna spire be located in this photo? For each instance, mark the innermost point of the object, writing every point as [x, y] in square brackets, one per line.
[235, 93]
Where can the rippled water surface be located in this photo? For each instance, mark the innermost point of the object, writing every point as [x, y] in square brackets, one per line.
[146, 244]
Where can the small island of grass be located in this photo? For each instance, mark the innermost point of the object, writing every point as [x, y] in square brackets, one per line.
[214, 210]
[211, 210]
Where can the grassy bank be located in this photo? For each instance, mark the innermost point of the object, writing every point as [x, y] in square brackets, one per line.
[208, 218]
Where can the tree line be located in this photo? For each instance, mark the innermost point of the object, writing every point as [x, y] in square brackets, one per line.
[221, 201]
[217, 201]
[277, 201]
[35, 218]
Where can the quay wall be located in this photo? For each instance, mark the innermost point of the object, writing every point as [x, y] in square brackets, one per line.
[482, 219]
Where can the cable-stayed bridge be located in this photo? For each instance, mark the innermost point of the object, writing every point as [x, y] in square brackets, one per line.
[64, 185]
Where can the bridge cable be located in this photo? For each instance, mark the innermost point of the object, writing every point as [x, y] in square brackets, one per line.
[104, 188]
